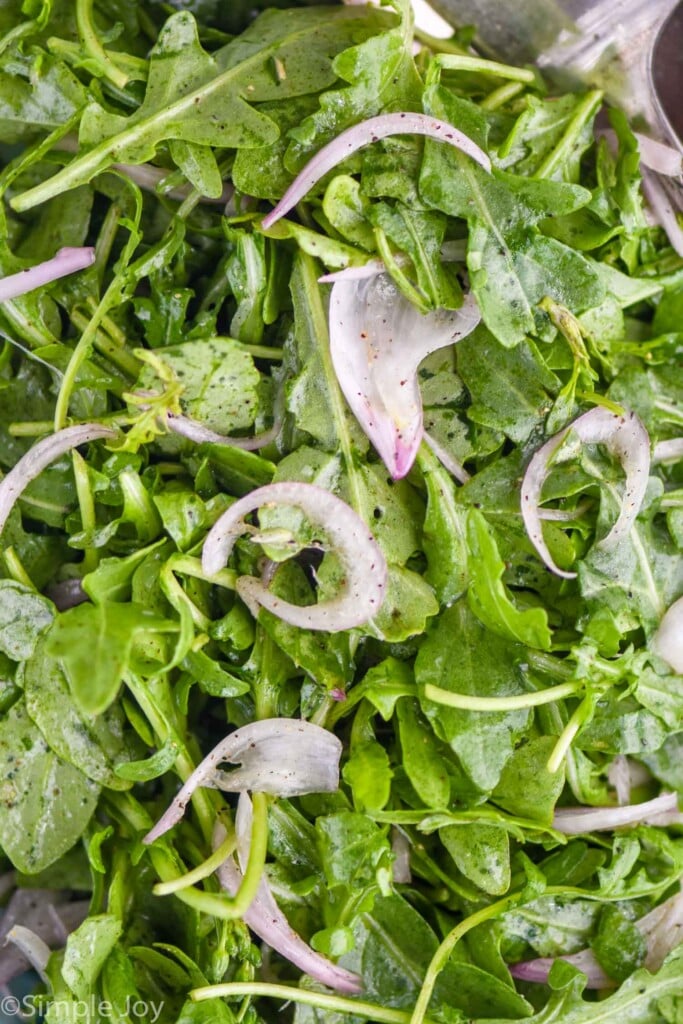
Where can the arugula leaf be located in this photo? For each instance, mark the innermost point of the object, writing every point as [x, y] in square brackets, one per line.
[46, 803]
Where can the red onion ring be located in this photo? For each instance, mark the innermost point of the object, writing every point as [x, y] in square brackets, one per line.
[668, 640]
[39, 458]
[626, 439]
[363, 562]
[574, 821]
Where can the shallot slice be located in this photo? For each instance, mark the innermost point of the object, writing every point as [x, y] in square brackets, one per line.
[354, 138]
[574, 821]
[668, 451]
[668, 640]
[280, 756]
[659, 157]
[66, 261]
[626, 439]
[364, 565]
[265, 918]
[197, 432]
[40, 456]
[377, 341]
[538, 969]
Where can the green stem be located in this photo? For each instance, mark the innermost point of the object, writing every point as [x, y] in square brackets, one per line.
[35, 428]
[133, 67]
[503, 94]
[549, 664]
[203, 870]
[16, 568]
[583, 113]
[177, 598]
[123, 360]
[439, 45]
[32, 154]
[86, 504]
[227, 907]
[286, 993]
[464, 62]
[569, 732]
[467, 702]
[258, 848]
[93, 46]
[442, 955]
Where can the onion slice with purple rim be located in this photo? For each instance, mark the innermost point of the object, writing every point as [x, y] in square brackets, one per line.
[66, 261]
[354, 138]
[626, 439]
[668, 451]
[364, 565]
[39, 458]
[265, 918]
[668, 640]
[280, 756]
[538, 969]
[377, 341]
[575, 821]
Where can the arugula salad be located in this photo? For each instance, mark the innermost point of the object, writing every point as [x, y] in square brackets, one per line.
[341, 512]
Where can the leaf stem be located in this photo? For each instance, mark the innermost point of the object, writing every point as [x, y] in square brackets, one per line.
[93, 46]
[503, 94]
[442, 954]
[16, 568]
[584, 111]
[580, 716]
[468, 702]
[465, 62]
[202, 870]
[86, 504]
[321, 1000]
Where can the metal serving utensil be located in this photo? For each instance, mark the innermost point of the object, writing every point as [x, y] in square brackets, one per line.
[632, 49]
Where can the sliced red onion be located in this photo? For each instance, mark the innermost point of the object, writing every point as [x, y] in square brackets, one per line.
[626, 439]
[663, 929]
[43, 912]
[66, 261]
[377, 341]
[574, 821]
[32, 947]
[197, 432]
[67, 594]
[659, 157]
[538, 969]
[362, 560]
[282, 756]
[354, 138]
[265, 918]
[40, 456]
[400, 847]
[663, 209]
[668, 451]
[668, 640]
[619, 777]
